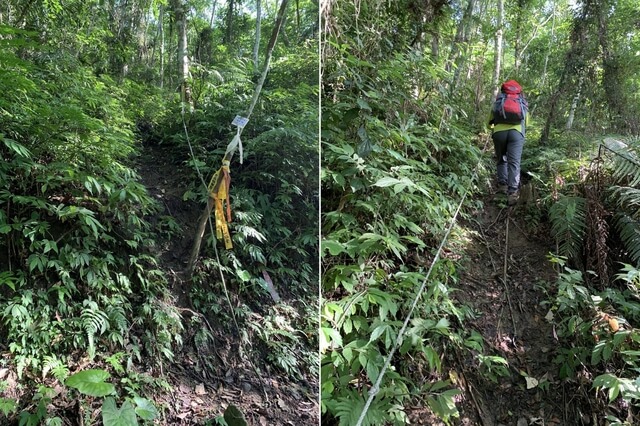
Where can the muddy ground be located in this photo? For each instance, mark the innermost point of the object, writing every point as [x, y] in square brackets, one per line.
[510, 316]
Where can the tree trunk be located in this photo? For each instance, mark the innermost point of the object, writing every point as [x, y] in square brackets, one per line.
[573, 64]
[202, 222]
[256, 45]
[517, 54]
[213, 13]
[551, 41]
[611, 73]
[574, 103]
[435, 45]
[497, 61]
[460, 35]
[180, 13]
[162, 47]
[229, 32]
[461, 43]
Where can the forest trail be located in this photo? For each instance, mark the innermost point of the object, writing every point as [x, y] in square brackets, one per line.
[161, 172]
[511, 320]
[206, 378]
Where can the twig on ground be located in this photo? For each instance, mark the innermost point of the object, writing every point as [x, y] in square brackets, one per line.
[524, 234]
[497, 218]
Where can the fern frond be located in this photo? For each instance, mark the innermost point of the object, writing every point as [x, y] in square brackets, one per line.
[568, 224]
[626, 197]
[626, 168]
[349, 407]
[629, 230]
[117, 317]
[94, 322]
[54, 364]
[250, 232]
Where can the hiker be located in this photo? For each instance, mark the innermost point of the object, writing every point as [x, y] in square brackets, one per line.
[509, 117]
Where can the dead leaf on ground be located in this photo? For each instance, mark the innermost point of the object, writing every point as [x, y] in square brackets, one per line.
[200, 390]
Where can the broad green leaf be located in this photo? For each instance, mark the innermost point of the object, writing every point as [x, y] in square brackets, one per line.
[377, 332]
[386, 181]
[243, 275]
[17, 148]
[363, 104]
[604, 380]
[432, 358]
[91, 382]
[233, 416]
[373, 371]
[145, 408]
[334, 247]
[8, 405]
[329, 337]
[114, 416]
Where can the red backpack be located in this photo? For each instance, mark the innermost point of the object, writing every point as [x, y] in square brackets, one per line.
[510, 106]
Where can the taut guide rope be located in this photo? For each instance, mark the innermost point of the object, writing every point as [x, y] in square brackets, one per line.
[376, 386]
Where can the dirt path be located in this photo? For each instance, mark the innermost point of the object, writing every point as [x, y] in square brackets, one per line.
[512, 322]
[205, 380]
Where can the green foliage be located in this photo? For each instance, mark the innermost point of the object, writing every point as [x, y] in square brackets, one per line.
[233, 416]
[91, 382]
[76, 279]
[41, 399]
[393, 168]
[125, 415]
[145, 409]
[285, 346]
[625, 195]
[597, 334]
[568, 224]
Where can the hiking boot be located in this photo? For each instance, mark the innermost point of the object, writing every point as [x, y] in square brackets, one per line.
[512, 199]
[502, 188]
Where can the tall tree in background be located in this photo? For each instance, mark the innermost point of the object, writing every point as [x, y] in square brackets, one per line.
[228, 35]
[256, 44]
[497, 60]
[458, 55]
[611, 66]
[162, 44]
[180, 15]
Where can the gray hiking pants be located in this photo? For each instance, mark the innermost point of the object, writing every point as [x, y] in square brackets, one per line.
[508, 146]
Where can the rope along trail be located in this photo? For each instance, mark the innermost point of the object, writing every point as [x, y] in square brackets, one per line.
[376, 386]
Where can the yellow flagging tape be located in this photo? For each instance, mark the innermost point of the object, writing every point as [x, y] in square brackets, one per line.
[219, 196]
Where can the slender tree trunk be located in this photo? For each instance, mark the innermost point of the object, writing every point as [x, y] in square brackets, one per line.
[213, 13]
[497, 62]
[551, 41]
[573, 64]
[180, 14]
[202, 222]
[462, 36]
[162, 46]
[574, 103]
[256, 45]
[517, 54]
[611, 73]
[229, 31]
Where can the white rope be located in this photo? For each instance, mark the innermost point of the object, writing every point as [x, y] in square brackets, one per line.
[376, 386]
